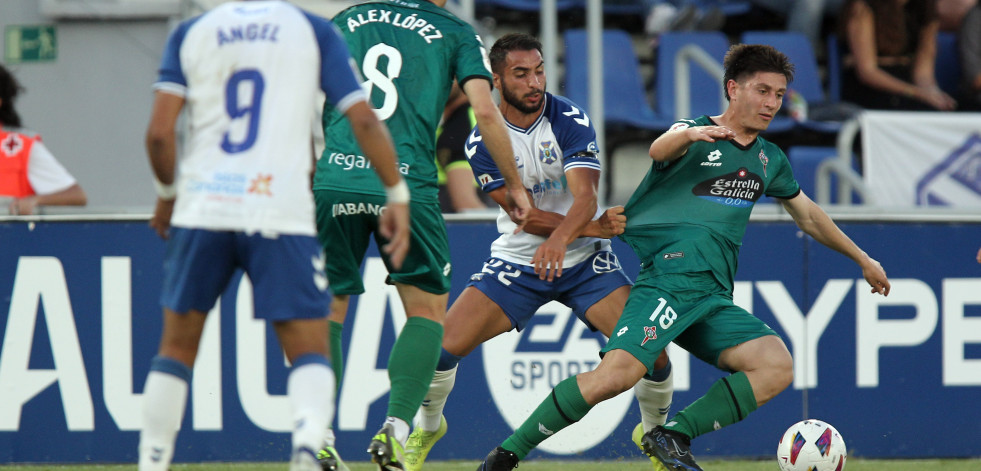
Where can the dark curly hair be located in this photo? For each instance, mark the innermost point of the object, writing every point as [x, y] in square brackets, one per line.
[511, 42]
[744, 60]
[9, 88]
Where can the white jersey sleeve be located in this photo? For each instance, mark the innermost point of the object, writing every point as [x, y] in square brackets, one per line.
[45, 173]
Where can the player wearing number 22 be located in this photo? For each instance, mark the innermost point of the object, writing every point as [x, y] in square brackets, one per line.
[686, 222]
[240, 198]
[409, 53]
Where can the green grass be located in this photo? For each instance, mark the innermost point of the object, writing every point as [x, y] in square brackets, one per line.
[543, 465]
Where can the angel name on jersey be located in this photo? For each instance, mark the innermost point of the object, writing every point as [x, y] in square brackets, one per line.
[250, 32]
[411, 22]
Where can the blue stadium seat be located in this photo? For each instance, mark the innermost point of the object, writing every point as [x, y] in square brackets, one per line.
[625, 99]
[705, 88]
[526, 5]
[948, 63]
[805, 160]
[834, 68]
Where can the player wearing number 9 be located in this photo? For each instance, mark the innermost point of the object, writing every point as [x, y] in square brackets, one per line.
[249, 73]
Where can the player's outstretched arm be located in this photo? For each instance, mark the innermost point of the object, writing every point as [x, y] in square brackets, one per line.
[375, 141]
[609, 225]
[495, 135]
[161, 147]
[811, 219]
[679, 138]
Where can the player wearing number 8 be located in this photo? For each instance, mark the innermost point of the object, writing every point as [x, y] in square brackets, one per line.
[409, 53]
[240, 198]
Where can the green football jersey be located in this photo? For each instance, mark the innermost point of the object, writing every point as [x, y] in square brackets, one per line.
[690, 214]
[408, 52]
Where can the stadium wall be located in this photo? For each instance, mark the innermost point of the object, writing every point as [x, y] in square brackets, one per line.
[80, 317]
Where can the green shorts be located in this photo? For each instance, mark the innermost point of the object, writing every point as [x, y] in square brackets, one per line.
[691, 309]
[347, 221]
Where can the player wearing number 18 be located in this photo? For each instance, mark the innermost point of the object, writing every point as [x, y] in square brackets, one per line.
[408, 53]
[249, 73]
[686, 222]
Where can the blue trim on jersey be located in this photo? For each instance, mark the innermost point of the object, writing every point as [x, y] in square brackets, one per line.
[171, 366]
[541, 117]
[311, 359]
[170, 65]
[335, 60]
[572, 127]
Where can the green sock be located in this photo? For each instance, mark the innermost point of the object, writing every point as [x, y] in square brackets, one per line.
[729, 400]
[562, 408]
[411, 366]
[336, 332]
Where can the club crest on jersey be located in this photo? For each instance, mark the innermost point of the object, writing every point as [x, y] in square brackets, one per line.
[764, 160]
[546, 152]
[650, 333]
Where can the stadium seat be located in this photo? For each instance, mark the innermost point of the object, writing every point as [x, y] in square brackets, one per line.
[525, 5]
[805, 161]
[807, 78]
[834, 69]
[706, 88]
[948, 64]
[625, 98]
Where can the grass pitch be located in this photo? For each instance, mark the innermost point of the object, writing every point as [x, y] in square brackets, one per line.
[545, 465]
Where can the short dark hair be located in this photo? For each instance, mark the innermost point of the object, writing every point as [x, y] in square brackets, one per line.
[743, 60]
[511, 42]
[9, 88]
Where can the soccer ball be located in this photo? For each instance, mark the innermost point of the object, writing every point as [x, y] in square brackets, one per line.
[811, 445]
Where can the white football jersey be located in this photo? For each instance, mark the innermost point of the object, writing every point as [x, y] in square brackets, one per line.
[251, 73]
[560, 139]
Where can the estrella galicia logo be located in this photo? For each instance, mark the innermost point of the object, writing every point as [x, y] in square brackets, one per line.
[956, 180]
[739, 189]
[546, 152]
[605, 262]
[522, 367]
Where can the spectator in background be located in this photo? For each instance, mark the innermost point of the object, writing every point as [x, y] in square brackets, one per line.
[890, 54]
[952, 13]
[457, 189]
[29, 173]
[804, 16]
[969, 45]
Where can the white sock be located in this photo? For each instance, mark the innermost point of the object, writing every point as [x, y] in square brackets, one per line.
[431, 411]
[164, 398]
[310, 388]
[329, 438]
[655, 400]
[400, 428]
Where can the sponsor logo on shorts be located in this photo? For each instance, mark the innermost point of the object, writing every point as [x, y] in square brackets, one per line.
[485, 179]
[606, 262]
[348, 209]
[673, 255]
[650, 333]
